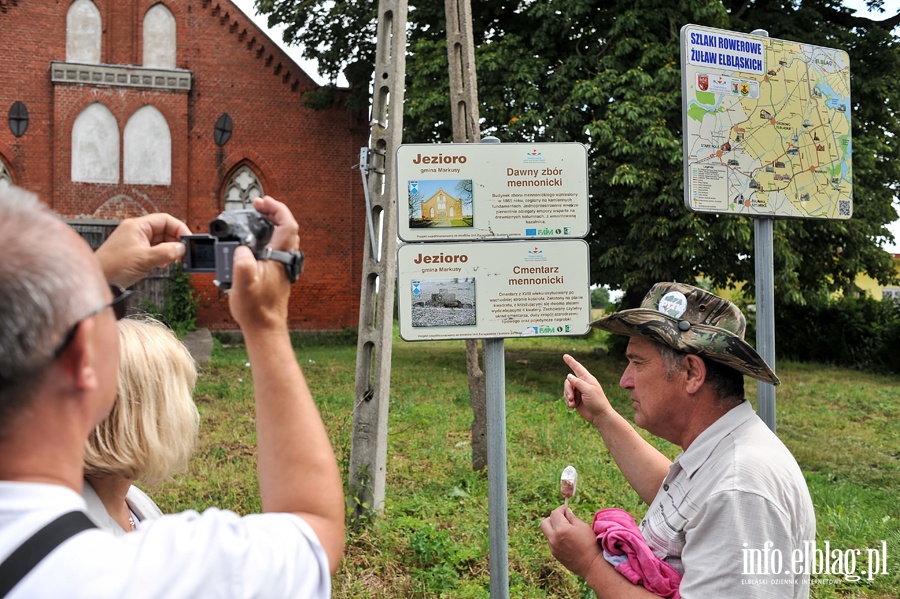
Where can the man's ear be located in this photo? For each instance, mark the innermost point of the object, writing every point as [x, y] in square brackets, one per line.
[695, 372]
[79, 357]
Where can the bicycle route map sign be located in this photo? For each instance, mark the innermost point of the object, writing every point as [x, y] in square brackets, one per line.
[766, 126]
[464, 192]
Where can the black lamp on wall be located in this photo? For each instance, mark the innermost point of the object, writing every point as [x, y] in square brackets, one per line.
[18, 119]
[222, 132]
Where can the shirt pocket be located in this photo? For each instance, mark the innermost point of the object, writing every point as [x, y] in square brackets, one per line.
[664, 527]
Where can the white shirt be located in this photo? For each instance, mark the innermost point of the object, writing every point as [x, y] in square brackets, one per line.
[217, 554]
[139, 504]
[735, 488]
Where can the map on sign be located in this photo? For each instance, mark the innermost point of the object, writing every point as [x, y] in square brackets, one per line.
[766, 126]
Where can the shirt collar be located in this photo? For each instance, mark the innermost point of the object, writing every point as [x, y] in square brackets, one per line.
[22, 496]
[699, 451]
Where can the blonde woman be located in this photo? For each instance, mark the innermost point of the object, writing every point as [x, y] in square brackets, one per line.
[151, 430]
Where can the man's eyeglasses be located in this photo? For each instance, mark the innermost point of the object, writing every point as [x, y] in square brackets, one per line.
[118, 304]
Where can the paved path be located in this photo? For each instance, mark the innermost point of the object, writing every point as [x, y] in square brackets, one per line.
[200, 344]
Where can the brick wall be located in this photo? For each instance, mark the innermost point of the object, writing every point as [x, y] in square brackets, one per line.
[303, 157]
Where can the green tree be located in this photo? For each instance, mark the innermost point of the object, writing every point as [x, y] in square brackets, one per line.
[599, 298]
[607, 74]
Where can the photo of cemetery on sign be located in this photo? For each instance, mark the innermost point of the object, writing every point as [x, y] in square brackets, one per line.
[443, 302]
[464, 192]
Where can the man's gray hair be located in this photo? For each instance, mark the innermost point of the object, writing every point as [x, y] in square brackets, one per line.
[727, 382]
[45, 288]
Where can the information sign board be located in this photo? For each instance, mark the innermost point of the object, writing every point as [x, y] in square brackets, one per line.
[471, 290]
[766, 126]
[460, 192]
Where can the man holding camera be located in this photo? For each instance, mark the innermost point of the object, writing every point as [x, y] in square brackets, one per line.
[58, 366]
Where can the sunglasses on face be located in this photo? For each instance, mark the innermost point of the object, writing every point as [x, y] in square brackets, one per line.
[118, 304]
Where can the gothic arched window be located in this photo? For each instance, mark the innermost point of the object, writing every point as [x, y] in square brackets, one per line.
[159, 38]
[95, 146]
[83, 32]
[148, 148]
[243, 186]
[6, 179]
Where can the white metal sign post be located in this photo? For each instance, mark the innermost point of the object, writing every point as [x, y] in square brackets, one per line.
[766, 135]
[497, 253]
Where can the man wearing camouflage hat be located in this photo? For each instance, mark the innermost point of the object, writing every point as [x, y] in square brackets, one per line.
[734, 497]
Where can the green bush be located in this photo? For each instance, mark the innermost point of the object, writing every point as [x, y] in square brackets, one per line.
[179, 309]
[853, 332]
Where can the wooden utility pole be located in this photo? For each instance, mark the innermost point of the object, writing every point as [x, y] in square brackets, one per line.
[463, 82]
[368, 452]
[466, 128]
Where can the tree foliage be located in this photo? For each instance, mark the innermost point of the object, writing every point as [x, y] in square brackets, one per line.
[599, 298]
[607, 74]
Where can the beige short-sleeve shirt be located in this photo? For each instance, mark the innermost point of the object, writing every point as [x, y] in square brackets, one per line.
[734, 514]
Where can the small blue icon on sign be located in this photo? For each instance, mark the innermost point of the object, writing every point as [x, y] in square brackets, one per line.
[416, 290]
[531, 231]
[413, 187]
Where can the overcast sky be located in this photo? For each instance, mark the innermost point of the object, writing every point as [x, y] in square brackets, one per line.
[310, 67]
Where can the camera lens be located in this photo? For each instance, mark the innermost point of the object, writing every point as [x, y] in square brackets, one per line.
[220, 228]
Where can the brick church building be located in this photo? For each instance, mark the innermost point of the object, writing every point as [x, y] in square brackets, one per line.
[118, 108]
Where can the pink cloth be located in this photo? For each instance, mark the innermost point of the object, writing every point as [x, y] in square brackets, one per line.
[618, 535]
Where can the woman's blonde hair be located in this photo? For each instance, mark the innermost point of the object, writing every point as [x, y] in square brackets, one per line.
[151, 431]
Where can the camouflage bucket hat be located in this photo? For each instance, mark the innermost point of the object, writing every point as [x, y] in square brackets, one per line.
[694, 321]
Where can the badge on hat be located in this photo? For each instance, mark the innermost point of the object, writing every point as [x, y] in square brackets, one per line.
[673, 303]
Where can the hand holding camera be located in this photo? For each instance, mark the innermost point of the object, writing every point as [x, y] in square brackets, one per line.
[248, 227]
[140, 244]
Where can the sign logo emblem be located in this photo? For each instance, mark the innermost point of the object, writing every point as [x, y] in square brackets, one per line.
[703, 82]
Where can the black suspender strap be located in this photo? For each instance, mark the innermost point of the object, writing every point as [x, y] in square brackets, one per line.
[30, 553]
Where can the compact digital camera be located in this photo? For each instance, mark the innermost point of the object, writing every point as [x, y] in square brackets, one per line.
[215, 252]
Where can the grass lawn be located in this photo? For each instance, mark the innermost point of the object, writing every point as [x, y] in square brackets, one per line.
[432, 540]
